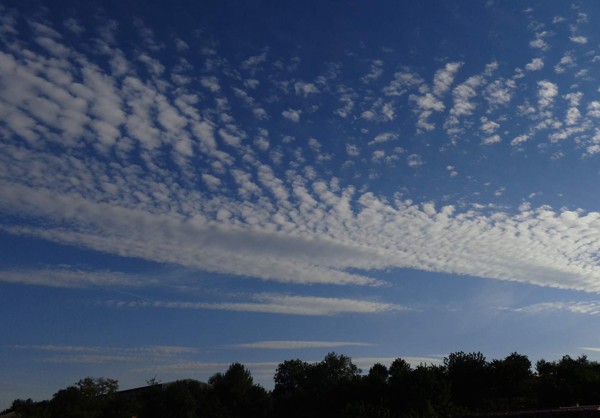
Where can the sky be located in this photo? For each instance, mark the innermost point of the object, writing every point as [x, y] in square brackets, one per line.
[188, 184]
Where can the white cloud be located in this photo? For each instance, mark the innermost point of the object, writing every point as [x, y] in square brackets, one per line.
[586, 308]
[463, 106]
[232, 136]
[66, 278]
[402, 82]
[53, 47]
[44, 30]
[60, 348]
[497, 245]
[593, 149]
[539, 42]
[211, 181]
[260, 113]
[375, 73]
[380, 112]
[426, 105]
[352, 150]
[194, 249]
[444, 78]
[593, 109]
[244, 97]
[211, 83]
[346, 99]
[423, 123]
[578, 39]
[251, 83]
[494, 139]
[499, 92]
[573, 116]
[154, 66]
[291, 114]
[377, 155]
[567, 61]
[388, 111]
[73, 26]
[146, 35]
[293, 223]
[304, 89]
[535, 65]
[157, 350]
[262, 143]
[296, 345]
[253, 62]
[518, 140]
[488, 126]
[276, 304]
[546, 93]
[108, 354]
[314, 144]
[414, 160]
[368, 115]
[428, 102]
[383, 137]
[574, 98]
[181, 45]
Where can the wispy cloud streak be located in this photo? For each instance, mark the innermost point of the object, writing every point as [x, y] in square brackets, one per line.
[293, 345]
[275, 304]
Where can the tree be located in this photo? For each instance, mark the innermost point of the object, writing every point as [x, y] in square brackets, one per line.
[373, 393]
[429, 392]
[181, 399]
[378, 373]
[546, 384]
[91, 387]
[290, 377]
[399, 380]
[568, 382]
[30, 409]
[335, 369]
[293, 392]
[153, 381]
[317, 389]
[365, 410]
[70, 403]
[89, 398]
[469, 379]
[237, 379]
[236, 390]
[512, 378]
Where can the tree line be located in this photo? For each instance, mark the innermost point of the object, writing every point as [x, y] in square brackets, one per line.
[464, 384]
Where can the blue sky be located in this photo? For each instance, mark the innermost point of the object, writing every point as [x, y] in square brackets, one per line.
[188, 184]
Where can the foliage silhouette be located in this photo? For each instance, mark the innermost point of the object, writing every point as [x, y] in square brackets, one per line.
[464, 385]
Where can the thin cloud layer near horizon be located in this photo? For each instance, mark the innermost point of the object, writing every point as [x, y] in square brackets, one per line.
[188, 184]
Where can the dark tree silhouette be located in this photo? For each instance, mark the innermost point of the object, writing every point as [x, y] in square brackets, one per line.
[30, 409]
[236, 390]
[466, 385]
[512, 381]
[90, 398]
[469, 379]
[568, 382]
[291, 377]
